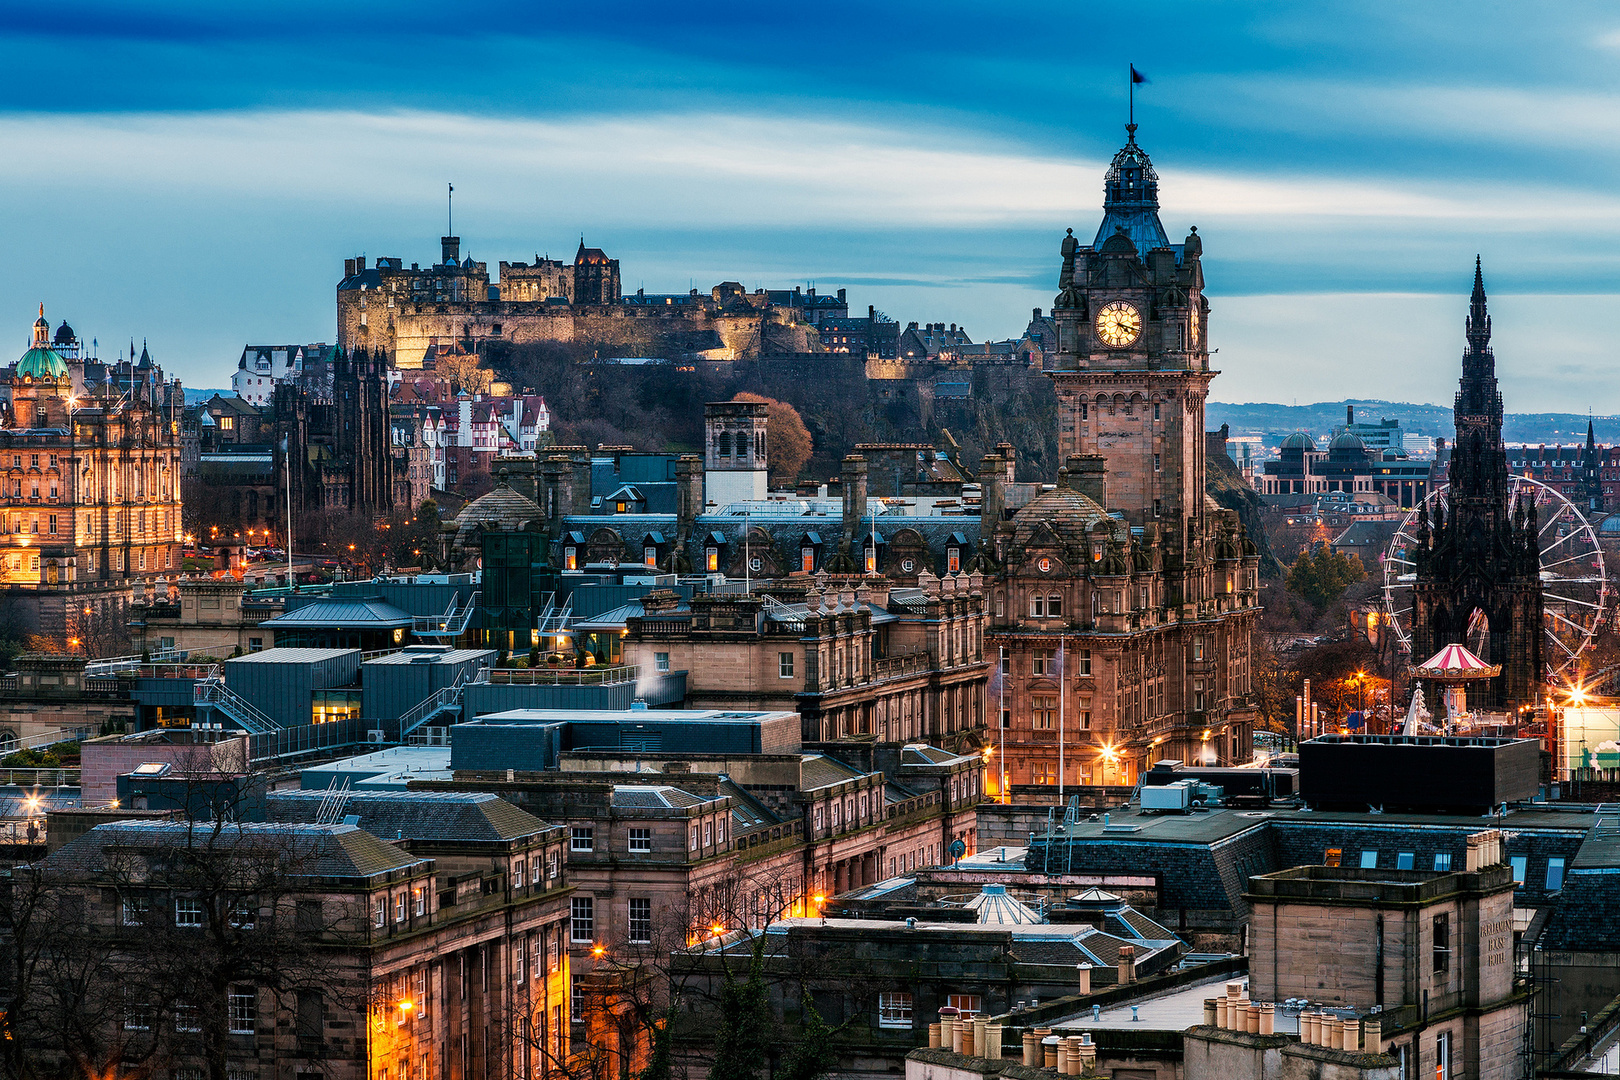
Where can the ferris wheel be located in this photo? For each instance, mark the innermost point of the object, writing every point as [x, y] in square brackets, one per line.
[1574, 584]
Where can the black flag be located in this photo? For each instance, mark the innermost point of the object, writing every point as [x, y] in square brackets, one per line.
[1137, 76]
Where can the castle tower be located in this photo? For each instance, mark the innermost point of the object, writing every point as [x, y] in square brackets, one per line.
[1478, 562]
[734, 451]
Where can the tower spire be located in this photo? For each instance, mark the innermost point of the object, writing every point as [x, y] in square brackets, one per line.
[1479, 319]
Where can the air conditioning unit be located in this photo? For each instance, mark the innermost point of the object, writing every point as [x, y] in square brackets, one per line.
[1176, 796]
[374, 735]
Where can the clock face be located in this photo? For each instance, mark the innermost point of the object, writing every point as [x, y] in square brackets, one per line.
[1118, 324]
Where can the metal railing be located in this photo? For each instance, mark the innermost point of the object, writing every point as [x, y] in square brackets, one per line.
[112, 664]
[38, 778]
[213, 691]
[45, 738]
[453, 623]
[591, 676]
[442, 700]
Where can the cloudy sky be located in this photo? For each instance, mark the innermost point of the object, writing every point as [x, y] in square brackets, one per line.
[195, 175]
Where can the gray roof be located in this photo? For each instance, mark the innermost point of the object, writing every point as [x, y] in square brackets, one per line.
[418, 815]
[654, 796]
[312, 851]
[289, 655]
[820, 771]
[416, 656]
[342, 613]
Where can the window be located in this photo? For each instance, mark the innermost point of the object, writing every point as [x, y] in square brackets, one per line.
[1083, 664]
[712, 559]
[640, 921]
[817, 818]
[1369, 860]
[570, 556]
[553, 865]
[379, 912]
[255, 644]
[640, 841]
[1037, 607]
[894, 1010]
[399, 908]
[1155, 462]
[135, 910]
[1333, 856]
[1198, 695]
[1158, 507]
[1519, 867]
[582, 839]
[1442, 1056]
[1042, 661]
[518, 955]
[1054, 606]
[1043, 710]
[419, 894]
[807, 560]
[1155, 410]
[692, 845]
[784, 665]
[576, 998]
[708, 833]
[188, 912]
[1085, 713]
[964, 1003]
[1198, 648]
[1442, 860]
[661, 661]
[187, 1018]
[582, 924]
[649, 556]
[953, 563]
[1555, 873]
[242, 1009]
[1404, 860]
[1442, 943]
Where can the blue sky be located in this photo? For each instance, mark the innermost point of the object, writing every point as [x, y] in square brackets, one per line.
[195, 175]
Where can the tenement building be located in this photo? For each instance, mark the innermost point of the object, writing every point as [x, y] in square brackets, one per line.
[90, 502]
[1126, 601]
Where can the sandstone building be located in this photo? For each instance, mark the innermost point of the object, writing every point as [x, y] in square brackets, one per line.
[90, 502]
[1126, 598]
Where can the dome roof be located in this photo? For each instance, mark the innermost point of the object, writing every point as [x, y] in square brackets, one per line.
[42, 363]
[501, 510]
[1299, 441]
[1070, 514]
[1347, 441]
[64, 334]
[1610, 526]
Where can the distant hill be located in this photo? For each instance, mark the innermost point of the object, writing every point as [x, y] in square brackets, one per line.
[197, 397]
[1321, 417]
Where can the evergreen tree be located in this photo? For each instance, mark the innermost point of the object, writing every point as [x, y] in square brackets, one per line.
[661, 1064]
[813, 1057]
[744, 1021]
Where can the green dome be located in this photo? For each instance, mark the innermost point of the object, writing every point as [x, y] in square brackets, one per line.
[42, 363]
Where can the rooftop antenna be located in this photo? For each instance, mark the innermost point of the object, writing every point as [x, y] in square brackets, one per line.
[450, 211]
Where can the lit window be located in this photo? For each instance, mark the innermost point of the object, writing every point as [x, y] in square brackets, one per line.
[953, 562]
[964, 1003]
[712, 556]
[649, 555]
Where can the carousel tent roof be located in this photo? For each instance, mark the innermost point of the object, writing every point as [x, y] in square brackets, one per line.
[1456, 662]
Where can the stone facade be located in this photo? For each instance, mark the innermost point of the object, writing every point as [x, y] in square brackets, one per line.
[1480, 556]
[1126, 598]
[1432, 953]
[89, 485]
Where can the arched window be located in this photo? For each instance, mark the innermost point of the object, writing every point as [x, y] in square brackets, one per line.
[723, 444]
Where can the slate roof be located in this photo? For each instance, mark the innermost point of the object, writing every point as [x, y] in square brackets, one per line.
[1587, 916]
[819, 771]
[747, 812]
[418, 815]
[654, 796]
[343, 613]
[315, 851]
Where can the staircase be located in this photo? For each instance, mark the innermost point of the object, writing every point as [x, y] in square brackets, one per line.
[437, 705]
[451, 624]
[212, 691]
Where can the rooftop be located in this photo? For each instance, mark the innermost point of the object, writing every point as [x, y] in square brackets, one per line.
[1173, 1010]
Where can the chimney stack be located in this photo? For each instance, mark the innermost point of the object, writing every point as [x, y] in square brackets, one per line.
[1088, 474]
[1349, 415]
[854, 484]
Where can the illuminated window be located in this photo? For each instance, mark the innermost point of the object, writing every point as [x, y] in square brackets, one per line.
[953, 559]
[570, 559]
[807, 560]
[712, 559]
[649, 556]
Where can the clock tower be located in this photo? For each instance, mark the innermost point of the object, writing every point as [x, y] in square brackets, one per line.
[1133, 362]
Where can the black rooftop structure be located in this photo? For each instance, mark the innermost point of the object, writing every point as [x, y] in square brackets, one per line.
[1417, 772]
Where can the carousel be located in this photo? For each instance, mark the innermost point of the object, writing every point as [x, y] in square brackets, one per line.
[1452, 668]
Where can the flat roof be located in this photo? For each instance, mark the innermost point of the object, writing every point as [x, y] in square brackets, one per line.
[1211, 826]
[1174, 1010]
[394, 767]
[429, 656]
[289, 656]
[660, 716]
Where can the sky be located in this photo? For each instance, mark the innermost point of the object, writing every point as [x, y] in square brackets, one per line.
[193, 175]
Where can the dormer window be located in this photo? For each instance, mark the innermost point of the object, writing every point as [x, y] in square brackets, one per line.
[953, 559]
[711, 559]
[570, 558]
[649, 556]
[807, 560]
